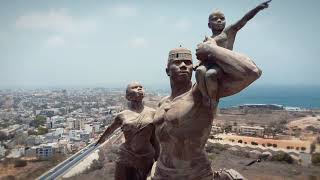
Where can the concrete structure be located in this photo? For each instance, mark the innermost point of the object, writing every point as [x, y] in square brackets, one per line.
[266, 106]
[55, 121]
[11, 130]
[216, 129]
[296, 146]
[31, 152]
[2, 151]
[48, 112]
[294, 109]
[88, 128]
[59, 132]
[228, 174]
[73, 134]
[44, 151]
[75, 123]
[96, 127]
[85, 137]
[17, 152]
[305, 159]
[34, 140]
[52, 137]
[251, 130]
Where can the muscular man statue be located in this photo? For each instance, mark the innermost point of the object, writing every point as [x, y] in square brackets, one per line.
[138, 152]
[224, 37]
[183, 121]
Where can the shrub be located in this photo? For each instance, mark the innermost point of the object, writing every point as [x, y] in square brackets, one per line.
[38, 120]
[284, 121]
[312, 147]
[19, 163]
[240, 141]
[30, 132]
[312, 128]
[315, 159]
[96, 164]
[227, 128]
[42, 131]
[254, 143]
[274, 145]
[211, 156]
[215, 148]
[219, 147]
[282, 157]
[10, 177]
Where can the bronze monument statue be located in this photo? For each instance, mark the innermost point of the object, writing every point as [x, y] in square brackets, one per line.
[138, 152]
[183, 120]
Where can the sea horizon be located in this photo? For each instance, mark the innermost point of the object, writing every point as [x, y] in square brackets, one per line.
[287, 95]
[303, 96]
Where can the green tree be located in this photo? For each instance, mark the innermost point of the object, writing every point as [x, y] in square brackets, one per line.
[3, 136]
[30, 132]
[274, 145]
[254, 143]
[42, 130]
[227, 128]
[19, 163]
[38, 121]
[312, 128]
[281, 156]
[312, 147]
[315, 159]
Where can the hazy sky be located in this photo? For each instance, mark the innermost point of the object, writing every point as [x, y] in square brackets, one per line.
[104, 43]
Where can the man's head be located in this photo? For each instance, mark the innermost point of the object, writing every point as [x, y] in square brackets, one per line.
[179, 66]
[134, 92]
[217, 21]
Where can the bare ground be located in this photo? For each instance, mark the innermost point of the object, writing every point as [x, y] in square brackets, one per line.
[265, 170]
[31, 171]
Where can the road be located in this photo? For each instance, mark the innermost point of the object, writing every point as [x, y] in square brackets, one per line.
[67, 164]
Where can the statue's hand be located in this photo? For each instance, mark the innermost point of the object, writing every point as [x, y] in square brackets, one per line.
[204, 49]
[264, 5]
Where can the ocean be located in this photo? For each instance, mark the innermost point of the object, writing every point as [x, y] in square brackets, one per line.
[290, 96]
[293, 96]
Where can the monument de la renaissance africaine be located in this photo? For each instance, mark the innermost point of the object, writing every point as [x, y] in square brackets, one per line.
[174, 135]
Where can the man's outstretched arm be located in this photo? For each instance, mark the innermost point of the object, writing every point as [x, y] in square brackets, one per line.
[237, 70]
